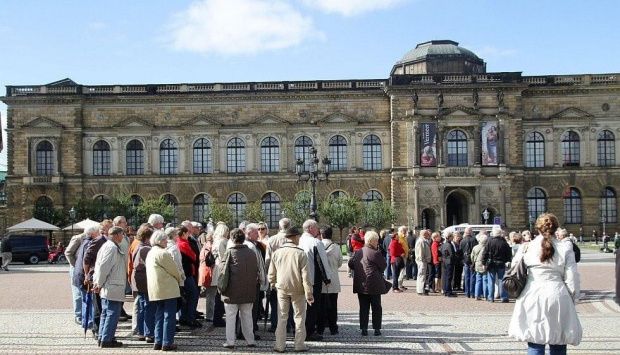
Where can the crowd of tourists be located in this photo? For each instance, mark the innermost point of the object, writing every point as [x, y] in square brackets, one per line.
[291, 278]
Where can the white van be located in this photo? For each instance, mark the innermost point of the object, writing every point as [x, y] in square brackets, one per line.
[476, 228]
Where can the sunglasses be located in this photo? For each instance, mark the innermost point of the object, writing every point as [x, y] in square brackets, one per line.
[261, 228]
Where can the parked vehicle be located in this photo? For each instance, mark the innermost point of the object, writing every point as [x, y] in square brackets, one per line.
[29, 249]
[476, 228]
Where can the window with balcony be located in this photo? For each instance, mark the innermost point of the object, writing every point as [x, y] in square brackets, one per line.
[457, 148]
[45, 158]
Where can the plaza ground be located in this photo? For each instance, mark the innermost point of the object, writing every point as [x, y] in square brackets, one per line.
[36, 318]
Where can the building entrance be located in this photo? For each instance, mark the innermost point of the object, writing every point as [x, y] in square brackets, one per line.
[456, 209]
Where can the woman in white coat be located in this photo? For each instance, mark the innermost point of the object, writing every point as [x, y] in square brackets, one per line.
[329, 301]
[220, 240]
[545, 311]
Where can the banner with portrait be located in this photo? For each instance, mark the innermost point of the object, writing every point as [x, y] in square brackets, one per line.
[490, 140]
[428, 144]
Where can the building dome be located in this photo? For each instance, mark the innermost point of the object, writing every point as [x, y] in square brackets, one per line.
[439, 57]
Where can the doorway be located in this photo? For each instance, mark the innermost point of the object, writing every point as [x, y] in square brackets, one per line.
[456, 209]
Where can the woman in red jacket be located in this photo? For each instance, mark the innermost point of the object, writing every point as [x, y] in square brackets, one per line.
[357, 240]
[436, 260]
[396, 252]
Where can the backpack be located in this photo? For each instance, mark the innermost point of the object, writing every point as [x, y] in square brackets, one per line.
[210, 259]
[577, 252]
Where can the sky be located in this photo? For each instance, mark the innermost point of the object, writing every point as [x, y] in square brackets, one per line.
[206, 41]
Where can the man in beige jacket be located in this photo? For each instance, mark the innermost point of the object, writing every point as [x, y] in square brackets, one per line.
[423, 257]
[289, 274]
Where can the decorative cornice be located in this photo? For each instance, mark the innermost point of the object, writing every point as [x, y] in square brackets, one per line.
[42, 123]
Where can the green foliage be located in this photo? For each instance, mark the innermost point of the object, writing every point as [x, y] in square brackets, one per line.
[341, 212]
[57, 217]
[379, 214]
[297, 210]
[121, 204]
[254, 212]
[221, 212]
[89, 208]
[159, 206]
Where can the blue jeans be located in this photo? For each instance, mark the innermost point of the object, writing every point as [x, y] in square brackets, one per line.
[539, 349]
[146, 315]
[188, 313]
[165, 320]
[395, 275]
[448, 272]
[388, 269]
[110, 313]
[482, 287]
[492, 275]
[469, 281]
[77, 296]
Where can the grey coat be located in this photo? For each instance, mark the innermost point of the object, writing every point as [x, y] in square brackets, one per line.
[243, 276]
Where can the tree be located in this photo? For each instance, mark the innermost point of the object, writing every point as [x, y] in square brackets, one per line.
[89, 208]
[121, 204]
[49, 214]
[298, 210]
[341, 212]
[379, 214]
[159, 206]
[221, 212]
[254, 212]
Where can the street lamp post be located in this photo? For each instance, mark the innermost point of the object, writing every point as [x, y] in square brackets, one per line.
[603, 220]
[313, 177]
[531, 222]
[72, 213]
[485, 215]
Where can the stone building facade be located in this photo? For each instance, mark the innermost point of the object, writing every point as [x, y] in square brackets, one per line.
[443, 142]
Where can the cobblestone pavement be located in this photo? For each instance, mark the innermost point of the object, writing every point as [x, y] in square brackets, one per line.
[35, 318]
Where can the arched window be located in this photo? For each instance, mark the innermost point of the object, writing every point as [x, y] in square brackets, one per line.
[168, 157]
[303, 145]
[201, 207]
[135, 157]
[237, 203]
[44, 209]
[102, 207]
[45, 158]
[269, 156]
[101, 158]
[606, 148]
[235, 152]
[371, 153]
[536, 202]
[572, 206]
[457, 148]
[608, 205]
[570, 148]
[134, 219]
[203, 158]
[338, 193]
[172, 200]
[270, 204]
[371, 196]
[534, 150]
[338, 153]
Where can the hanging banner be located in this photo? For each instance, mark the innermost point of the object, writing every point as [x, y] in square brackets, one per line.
[428, 144]
[490, 138]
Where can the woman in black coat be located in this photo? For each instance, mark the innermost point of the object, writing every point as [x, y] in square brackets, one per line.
[368, 265]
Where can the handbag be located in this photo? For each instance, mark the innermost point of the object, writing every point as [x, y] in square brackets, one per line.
[388, 287]
[514, 281]
[400, 262]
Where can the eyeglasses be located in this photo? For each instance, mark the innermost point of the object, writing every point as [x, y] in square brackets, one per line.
[261, 228]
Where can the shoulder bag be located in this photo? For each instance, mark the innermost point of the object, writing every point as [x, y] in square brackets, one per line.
[514, 281]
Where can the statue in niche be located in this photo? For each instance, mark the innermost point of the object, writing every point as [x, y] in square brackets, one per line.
[475, 99]
[415, 100]
[440, 101]
[500, 99]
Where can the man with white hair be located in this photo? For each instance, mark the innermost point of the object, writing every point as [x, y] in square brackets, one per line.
[157, 221]
[423, 257]
[121, 222]
[496, 254]
[319, 274]
[273, 244]
[251, 233]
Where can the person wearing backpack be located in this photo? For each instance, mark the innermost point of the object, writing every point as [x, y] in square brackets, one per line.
[562, 235]
[205, 274]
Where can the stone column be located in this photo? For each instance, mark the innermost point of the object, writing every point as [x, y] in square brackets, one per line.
[502, 141]
[416, 144]
[440, 145]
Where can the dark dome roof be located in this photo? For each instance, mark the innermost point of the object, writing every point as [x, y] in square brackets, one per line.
[437, 48]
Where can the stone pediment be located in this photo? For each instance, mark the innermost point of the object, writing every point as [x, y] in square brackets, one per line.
[202, 121]
[459, 110]
[269, 119]
[571, 112]
[337, 118]
[133, 122]
[42, 122]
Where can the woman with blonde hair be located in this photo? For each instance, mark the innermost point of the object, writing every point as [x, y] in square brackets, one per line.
[220, 240]
[205, 274]
[545, 311]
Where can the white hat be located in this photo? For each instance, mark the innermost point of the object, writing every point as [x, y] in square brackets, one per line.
[496, 231]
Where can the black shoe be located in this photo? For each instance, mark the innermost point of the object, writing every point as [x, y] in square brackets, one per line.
[195, 324]
[272, 330]
[377, 332]
[335, 332]
[149, 340]
[111, 344]
[314, 337]
[451, 295]
[256, 337]
[219, 325]
[364, 332]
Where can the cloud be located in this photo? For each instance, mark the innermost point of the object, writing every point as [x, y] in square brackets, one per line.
[239, 26]
[489, 51]
[352, 7]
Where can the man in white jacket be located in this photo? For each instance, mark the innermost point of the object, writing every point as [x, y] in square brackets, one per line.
[109, 281]
[423, 257]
